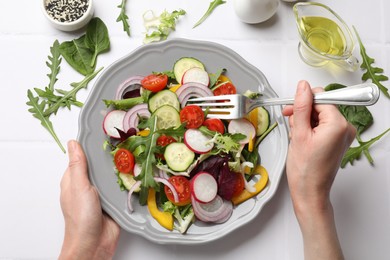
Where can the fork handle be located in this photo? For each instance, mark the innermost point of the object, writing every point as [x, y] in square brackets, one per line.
[365, 94]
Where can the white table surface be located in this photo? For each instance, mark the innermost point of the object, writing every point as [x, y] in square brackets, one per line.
[31, 165]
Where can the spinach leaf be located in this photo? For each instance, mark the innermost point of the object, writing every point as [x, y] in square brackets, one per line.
[359, 116]
[78, 55]
[96, 38]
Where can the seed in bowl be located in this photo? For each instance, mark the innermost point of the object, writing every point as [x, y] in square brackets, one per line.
[66, 10]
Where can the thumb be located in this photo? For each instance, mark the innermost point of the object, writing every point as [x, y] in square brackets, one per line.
[303, 108]
[77, 164]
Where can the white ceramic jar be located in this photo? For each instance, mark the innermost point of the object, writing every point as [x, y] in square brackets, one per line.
[255, 11]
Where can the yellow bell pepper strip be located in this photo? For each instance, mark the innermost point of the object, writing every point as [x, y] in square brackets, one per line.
[251, 143]
[165, 219]
[144, 132]
[259, 186]
[253, 117]
[175, 88]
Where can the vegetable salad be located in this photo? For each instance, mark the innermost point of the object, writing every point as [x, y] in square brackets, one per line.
[181, 164]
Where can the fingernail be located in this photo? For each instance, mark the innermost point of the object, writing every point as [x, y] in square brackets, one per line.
[71, 146]
[302, 86]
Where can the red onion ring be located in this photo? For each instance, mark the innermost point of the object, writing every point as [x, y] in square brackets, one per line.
[217, 211]
[131, 191]
[163, 174]
[131, 118]
[127, 85]
[192, 90]
[170, 186]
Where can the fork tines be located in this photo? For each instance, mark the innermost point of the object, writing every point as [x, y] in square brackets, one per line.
[218, 109]
[224, 101]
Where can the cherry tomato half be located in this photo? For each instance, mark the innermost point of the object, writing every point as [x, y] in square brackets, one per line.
[225, 89]
[164, 140]
[182, 186]
[192, 115]
[124, 161]
[214, 124]
[240, 185]
[155, 82]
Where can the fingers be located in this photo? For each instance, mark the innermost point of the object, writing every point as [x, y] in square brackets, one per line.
[77, 167]
[302, 108]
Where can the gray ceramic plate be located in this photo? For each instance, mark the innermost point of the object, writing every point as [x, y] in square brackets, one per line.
[161, 57]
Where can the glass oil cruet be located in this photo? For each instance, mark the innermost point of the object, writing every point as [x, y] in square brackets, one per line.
[324, 36]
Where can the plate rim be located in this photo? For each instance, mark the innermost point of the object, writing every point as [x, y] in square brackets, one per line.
[161, 47]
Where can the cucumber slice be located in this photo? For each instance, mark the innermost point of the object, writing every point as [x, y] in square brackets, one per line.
[183, 64]
[259, 117]
[178, 156]
[164, 97]
[128, 181]
[167, 116]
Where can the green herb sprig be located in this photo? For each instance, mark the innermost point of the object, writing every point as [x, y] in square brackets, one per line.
[214, 4]
[354, 153]
[81, 54]
[37, 109]
[123, 17]
[373, 73]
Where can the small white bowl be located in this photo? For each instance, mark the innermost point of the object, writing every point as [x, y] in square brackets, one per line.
[70, 26]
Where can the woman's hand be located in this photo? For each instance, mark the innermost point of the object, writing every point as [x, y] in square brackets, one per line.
[319, 137]
[89, 233]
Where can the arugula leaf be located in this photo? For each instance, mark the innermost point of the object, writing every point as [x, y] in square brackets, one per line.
[159, 27]
[373, 73]
[123, 17]
[123, 103]
[354, 153]
[54, 64]
[170, 74]
[96, 38]
[211, 8]
[70, 95]
[214, 77]
[51, 98]
[146, 157]
[78, 55]
[37, 111]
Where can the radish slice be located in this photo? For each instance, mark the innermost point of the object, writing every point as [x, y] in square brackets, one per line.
[131, 118]
[242, 126]
[137, 169]
[204, 187]
[217, 211]
[113, 121]
[197, 141]
[192, 90]
[197, 75]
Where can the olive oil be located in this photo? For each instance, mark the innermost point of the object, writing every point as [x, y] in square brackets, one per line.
[323, 34]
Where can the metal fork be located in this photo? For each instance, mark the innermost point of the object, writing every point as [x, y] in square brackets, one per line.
[237, 106]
